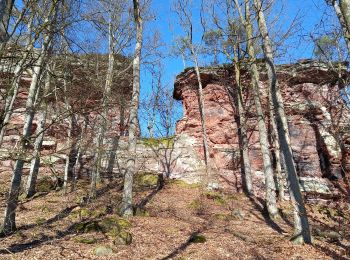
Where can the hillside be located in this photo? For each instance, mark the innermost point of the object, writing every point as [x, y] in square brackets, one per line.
[177, 222]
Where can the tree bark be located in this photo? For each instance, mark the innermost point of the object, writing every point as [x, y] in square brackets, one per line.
[127, 206]
[12, 93]
[40, 131]
[5, 13]
[277, 151]
[105, 107]
[209, 178]
[263, 136]
[345, 9]
[344, 23]
[9, 224]
[245, 161]
[301, 224]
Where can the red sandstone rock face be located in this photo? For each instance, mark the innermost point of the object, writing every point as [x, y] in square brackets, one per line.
[316, 113]
[86, 103]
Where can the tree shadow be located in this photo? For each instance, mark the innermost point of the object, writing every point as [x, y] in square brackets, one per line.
[284, 217]
[330, 252]
[65, 212]
[142, 204]
[258, 202]
[17, 248]
[183, 246]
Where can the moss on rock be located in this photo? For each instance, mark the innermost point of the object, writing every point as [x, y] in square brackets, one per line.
[103, 251]
[197, 239]
[114, 227]
[120, 238]
[146, 179]
[86, 240]
[45, 184]
[167, 142]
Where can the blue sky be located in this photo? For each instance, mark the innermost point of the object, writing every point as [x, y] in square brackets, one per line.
[298, 46]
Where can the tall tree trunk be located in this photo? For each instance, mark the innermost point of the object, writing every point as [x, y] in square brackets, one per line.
[345, 10]
[5, 13]
[263, 136]
[344, 21]
[245, 161]
[70, 156]
[209, 178]
[97, 165]
[301, 224]
[40, 131]
[115, 144]
[80, 152]
[277, 151]
[127, 207]
[12, 93]
[9, 224]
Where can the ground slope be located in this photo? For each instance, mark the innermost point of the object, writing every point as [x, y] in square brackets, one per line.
[178, 222]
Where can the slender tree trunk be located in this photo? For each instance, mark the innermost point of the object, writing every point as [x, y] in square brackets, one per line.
[40, 131]
[103, 119]
[343, 23]
[80, 152]
[342, 20]
[71, 142]
[345, 10]
[263, 136]
[71, 148]
[9, 224]
[277, 151]
[127, 207]
[112, 156]
[5, 13]
[245, 161]
[115, 144]
[301, 224]
[12, 93]
[209, 178]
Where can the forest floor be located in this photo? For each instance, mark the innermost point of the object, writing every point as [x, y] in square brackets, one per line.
[179, 221]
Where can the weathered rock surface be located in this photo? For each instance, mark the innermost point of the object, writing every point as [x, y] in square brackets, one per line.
[318, 124]
[317, 115]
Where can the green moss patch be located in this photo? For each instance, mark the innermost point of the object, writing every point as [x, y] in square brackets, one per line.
[216, 197]
[184, 184]
[86, 240]
[167, 142]
[45, 184]
[146, 180]
[197, 239]
[114, 227]
[141, 212]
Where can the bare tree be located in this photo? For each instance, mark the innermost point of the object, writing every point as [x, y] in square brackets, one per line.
[40, 132]
[263, 136]
[127, 208]
[182, 8]
[231, 37]
[5, 14]
[9, 223]
[118, 38]
[301, 224]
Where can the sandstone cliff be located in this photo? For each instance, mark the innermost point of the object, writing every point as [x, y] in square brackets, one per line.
[317, 114]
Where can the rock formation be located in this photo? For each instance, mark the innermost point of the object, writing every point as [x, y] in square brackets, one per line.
[317, 114]
[84, 93]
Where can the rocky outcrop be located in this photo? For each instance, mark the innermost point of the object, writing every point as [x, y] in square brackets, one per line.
[84, 92]
[317, 115]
